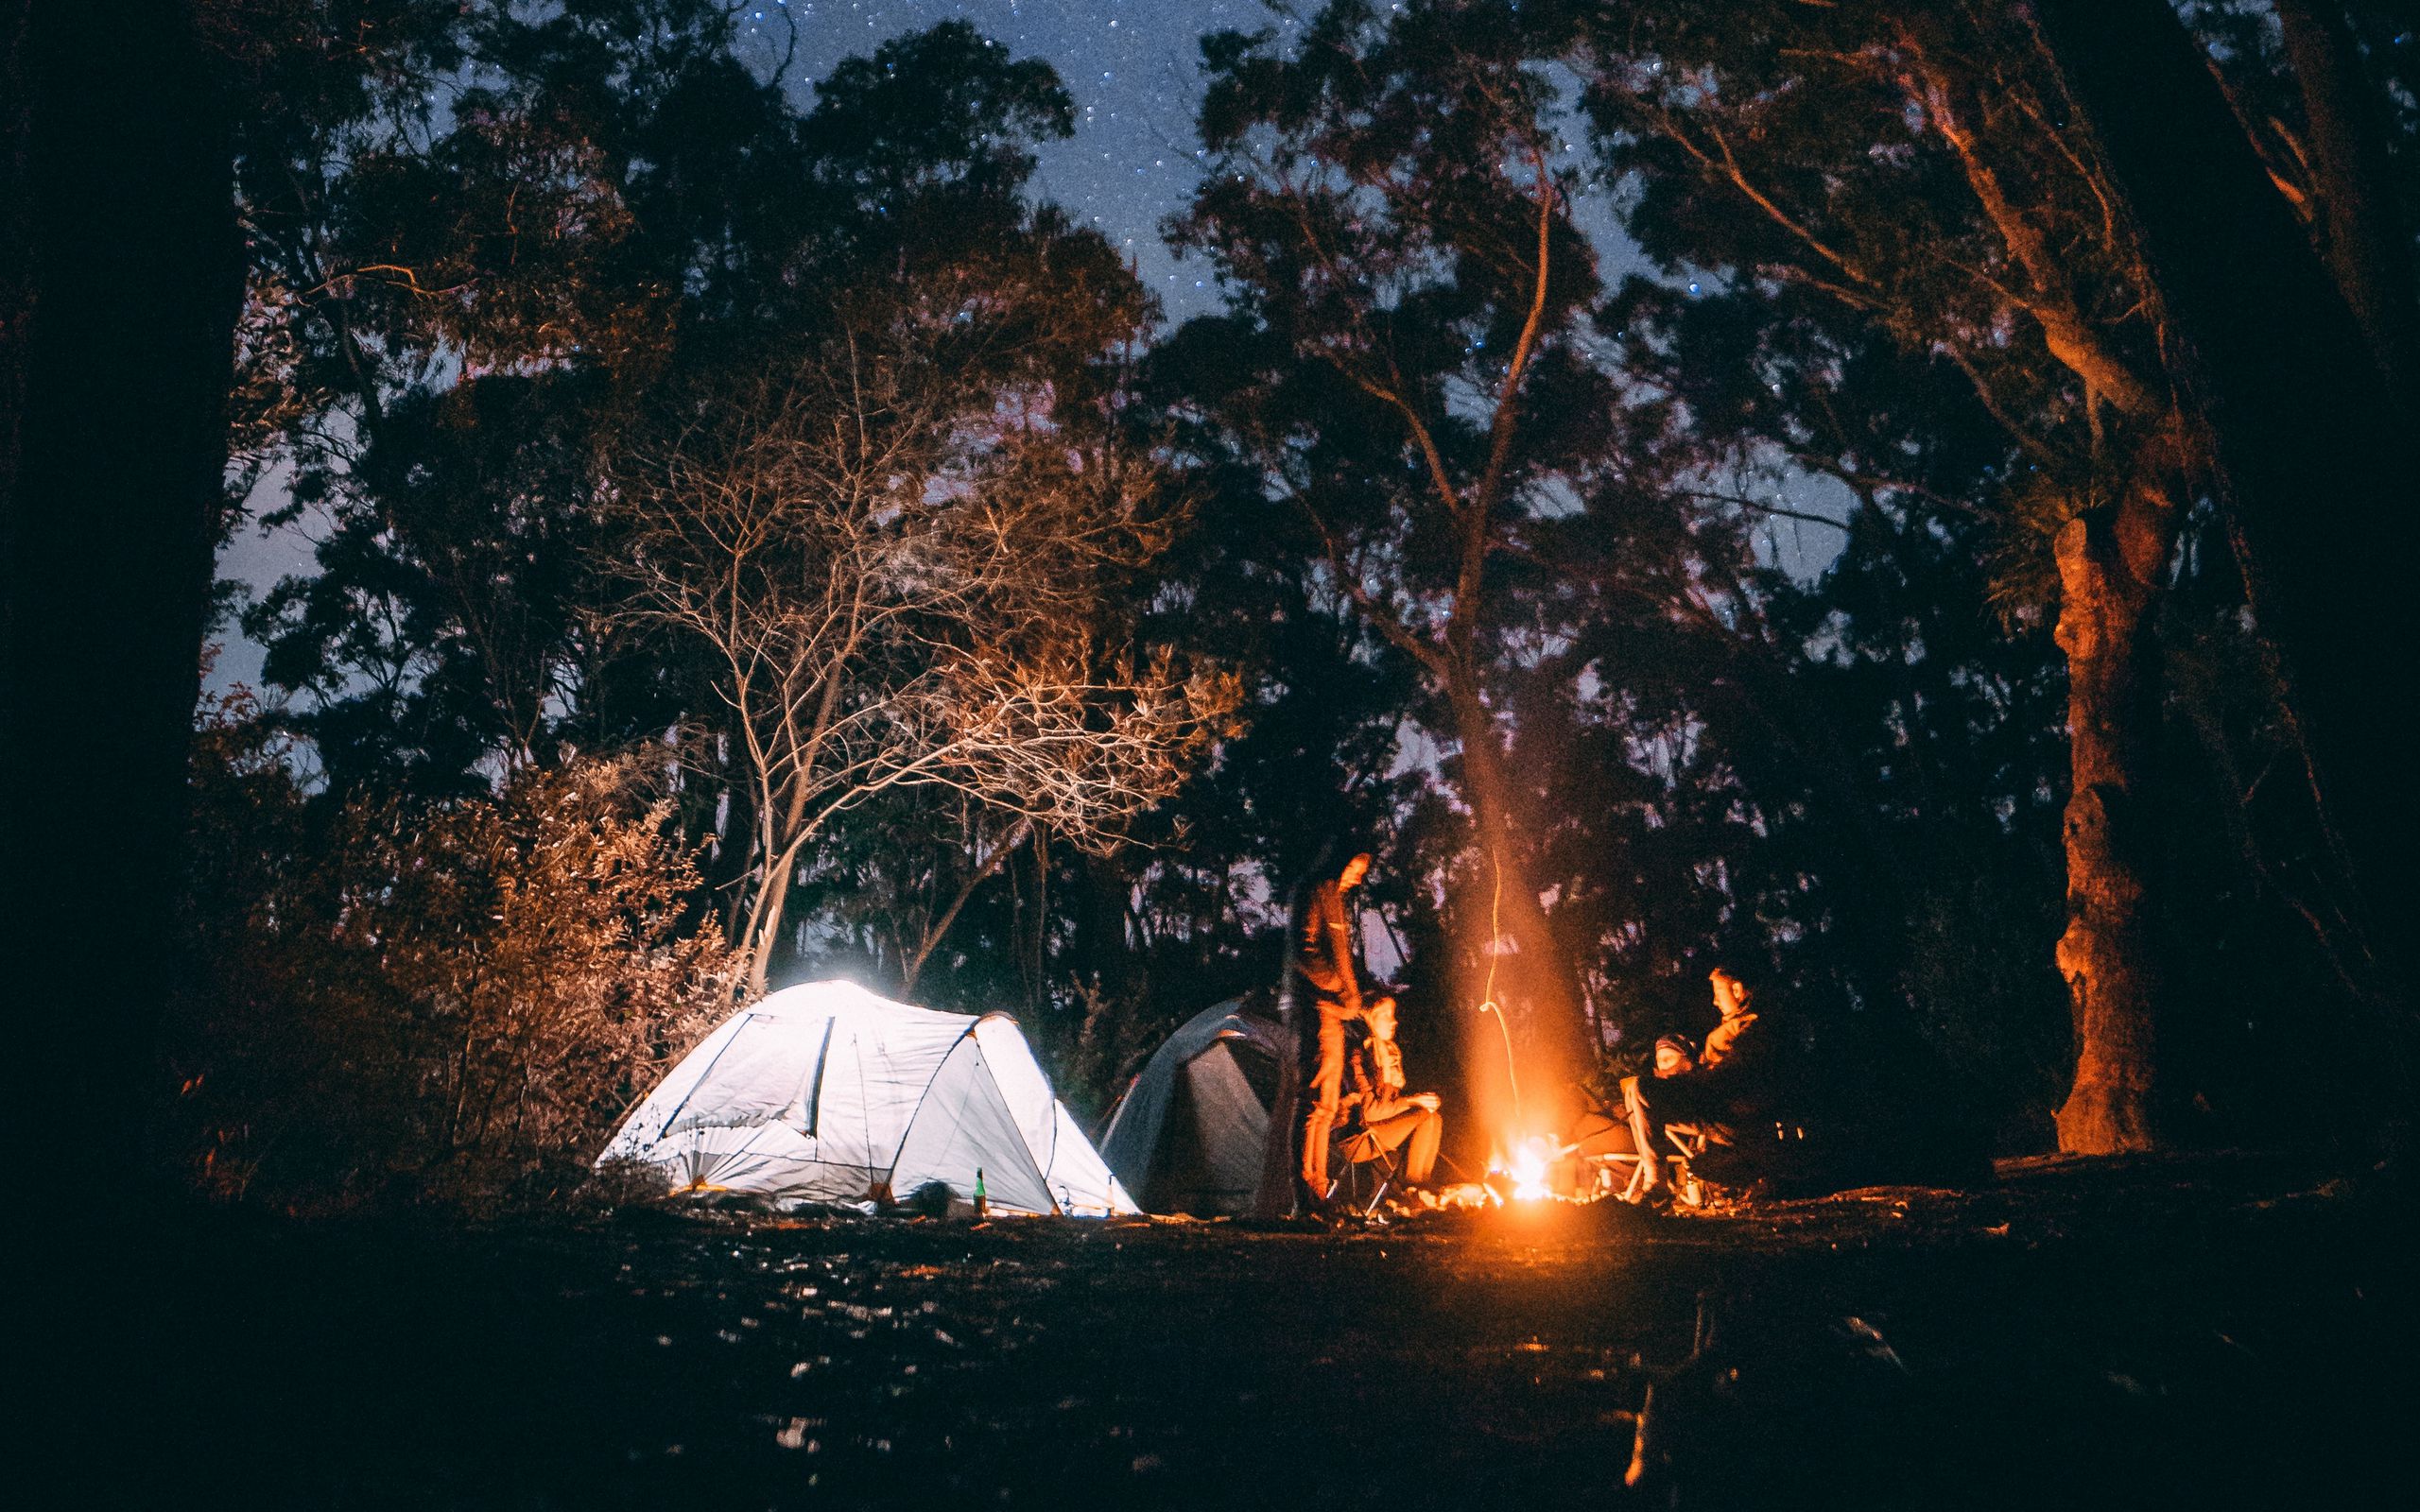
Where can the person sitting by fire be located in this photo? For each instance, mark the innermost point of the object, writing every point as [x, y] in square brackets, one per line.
[1675, 1055]
[1731, 1082]
[1603, 1132]
[1384, 1118]
[1320, 957]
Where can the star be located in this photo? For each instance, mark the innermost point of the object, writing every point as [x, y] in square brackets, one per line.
[1133, 68]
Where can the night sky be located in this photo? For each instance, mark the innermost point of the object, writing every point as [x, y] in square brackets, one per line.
[1133, 66]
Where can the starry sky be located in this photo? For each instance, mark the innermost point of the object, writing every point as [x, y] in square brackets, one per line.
[1133, 66]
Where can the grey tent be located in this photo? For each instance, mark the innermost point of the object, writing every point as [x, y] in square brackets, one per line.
[1194, 1133]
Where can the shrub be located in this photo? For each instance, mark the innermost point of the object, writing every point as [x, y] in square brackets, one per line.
[447, 1002]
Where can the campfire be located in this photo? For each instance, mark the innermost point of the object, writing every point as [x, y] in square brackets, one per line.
[1535, 1170]
[1523, 1173]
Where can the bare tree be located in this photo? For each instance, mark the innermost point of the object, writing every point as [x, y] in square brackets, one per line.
[896, 568]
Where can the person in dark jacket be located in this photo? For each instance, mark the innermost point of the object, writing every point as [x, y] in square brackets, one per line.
[1731, 1082]
[1322, 957]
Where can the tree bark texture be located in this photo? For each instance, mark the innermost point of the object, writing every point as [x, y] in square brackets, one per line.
[1533, 986]
[763, 932]
[2111, 565]
[118, 352]
[2309, 444]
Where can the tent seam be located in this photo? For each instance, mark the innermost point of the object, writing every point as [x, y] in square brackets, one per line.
[1041, 1168]
[681, 1105]
[939, 1065]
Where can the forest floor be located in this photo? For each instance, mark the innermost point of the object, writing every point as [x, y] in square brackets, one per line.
[2215, 1331]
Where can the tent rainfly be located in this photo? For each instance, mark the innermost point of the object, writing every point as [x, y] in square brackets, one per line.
[827, 1091]
[1194, 1132]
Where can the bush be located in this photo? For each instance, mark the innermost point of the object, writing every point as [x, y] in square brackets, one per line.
[448, 1001]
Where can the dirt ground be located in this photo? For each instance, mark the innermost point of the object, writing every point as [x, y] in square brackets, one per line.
[2216, 1331]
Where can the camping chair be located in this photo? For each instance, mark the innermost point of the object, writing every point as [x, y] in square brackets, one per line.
[1378, 1173]
[1687, 1143]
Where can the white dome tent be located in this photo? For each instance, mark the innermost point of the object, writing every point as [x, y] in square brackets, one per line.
[826, 1091]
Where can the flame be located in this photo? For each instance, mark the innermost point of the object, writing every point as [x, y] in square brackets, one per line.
[1527, 1166]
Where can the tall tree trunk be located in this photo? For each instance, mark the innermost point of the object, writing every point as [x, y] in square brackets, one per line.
[779, 839]
[117, 313]
[2363, 238]
[2307, 439]
[1535, 986]
[2111, 565]
[16, 238]
[1116, 968]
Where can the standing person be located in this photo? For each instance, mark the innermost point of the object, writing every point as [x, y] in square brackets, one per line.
[1386, 1118]
[1322, 951]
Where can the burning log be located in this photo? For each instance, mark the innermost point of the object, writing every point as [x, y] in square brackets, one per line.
[1537, 1169]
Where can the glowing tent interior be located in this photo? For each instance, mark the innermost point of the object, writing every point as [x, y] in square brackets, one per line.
[826, 1091]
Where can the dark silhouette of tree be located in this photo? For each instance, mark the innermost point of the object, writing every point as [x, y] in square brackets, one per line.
[1909, 177]
[2280, 364]
[120, 274]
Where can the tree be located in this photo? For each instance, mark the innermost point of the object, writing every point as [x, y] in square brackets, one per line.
[433, 1001]
[119, 281]
[2280, 364]
[1911, 176]
[466, 315]
[465, 248]
[1388, 218]
[896, 593]
[443, 636]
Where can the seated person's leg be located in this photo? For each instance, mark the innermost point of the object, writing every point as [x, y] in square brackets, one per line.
[1371, 1140]
[1361, 1145]
[1697, 1099]
[1417, 1131]
[1635, 1108]
[1428, 1131]
[1598, 1134]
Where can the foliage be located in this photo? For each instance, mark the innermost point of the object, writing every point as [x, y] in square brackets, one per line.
[426, 1000]
[895, 595]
